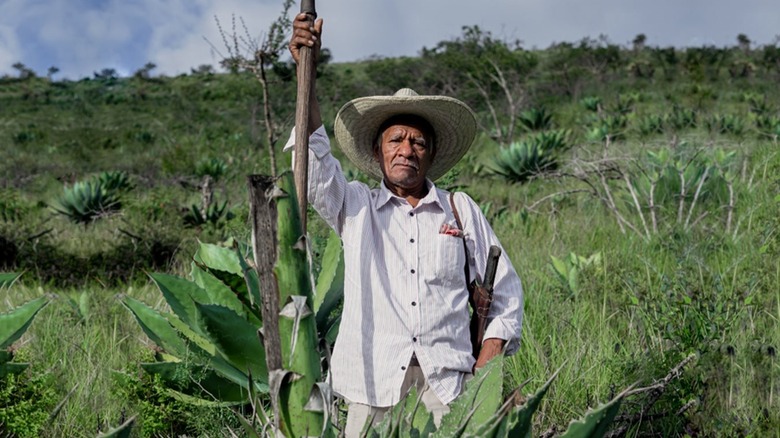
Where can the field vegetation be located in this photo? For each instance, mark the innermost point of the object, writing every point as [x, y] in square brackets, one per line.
[636, 190]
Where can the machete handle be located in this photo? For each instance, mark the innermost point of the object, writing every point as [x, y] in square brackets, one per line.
[307, 7]
[492, 265]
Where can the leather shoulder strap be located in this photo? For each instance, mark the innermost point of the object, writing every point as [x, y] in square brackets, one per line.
[460, 225]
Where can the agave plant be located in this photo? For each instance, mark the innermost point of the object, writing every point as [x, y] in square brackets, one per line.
[86, 201]
[612, 127]
[591, 103]
[768, 126]
[726, 124]
[535, 119]
[216, 168]
[554, 141]
[209, 344]
[213, 215]
[681, 118]
[114, 182]
[523, 160]
[650, 124]
[757, 103]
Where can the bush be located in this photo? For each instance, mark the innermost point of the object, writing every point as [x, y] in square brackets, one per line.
[25, 404]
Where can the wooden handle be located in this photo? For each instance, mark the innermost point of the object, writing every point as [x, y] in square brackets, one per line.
[307, 7]
[306, 77]
[492, 265]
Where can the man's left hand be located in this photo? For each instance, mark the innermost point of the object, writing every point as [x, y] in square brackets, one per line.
[490, 348]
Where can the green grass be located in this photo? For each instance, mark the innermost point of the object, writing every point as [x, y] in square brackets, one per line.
[653, 301]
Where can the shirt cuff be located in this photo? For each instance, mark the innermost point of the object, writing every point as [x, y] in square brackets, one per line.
[318, 142]
[499, 328]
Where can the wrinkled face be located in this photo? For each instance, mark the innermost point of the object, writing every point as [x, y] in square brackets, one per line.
[405, 154]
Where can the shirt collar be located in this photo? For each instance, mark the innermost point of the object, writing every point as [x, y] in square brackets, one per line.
[385, 195]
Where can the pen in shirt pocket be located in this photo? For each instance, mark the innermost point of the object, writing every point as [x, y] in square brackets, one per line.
[450, 230]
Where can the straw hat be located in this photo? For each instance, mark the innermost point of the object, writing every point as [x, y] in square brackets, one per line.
[358, 121]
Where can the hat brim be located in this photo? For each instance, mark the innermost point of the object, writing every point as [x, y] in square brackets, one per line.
[358, 121]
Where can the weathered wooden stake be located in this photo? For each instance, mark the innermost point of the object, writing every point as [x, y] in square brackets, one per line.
[263, 214]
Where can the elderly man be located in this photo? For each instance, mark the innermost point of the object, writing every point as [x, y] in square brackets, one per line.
[406, 314]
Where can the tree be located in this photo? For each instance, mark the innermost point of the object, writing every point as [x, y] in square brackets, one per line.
[144, 72]
[743, 42]
[107, 74]
[51, 72]
[203, 69]
[24, 71]
[639, 42]
[257, 55]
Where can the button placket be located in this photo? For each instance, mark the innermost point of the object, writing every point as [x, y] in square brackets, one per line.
[413, 272]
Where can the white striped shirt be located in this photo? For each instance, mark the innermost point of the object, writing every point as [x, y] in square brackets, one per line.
[404, 286]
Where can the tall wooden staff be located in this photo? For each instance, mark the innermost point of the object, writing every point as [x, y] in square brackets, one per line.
[306, 77]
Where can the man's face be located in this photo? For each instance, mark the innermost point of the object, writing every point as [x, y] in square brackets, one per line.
[405, 155]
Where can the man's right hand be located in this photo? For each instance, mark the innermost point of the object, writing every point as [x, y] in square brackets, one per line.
[304, 34]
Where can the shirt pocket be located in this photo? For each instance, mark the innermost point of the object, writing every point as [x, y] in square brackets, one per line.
[450, 260]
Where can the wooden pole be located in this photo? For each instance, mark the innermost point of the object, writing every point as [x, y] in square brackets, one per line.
[306, 78]
[263, 214]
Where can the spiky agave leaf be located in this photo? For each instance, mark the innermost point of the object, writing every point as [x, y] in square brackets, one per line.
[114, 181]
[535, 119]
[85, 202]
[477, 403]
[14, 323]
[521, 161]
[596, 422]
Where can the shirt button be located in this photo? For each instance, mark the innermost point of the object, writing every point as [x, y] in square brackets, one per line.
[403, 368]
[414, 339]
[412, 271]
[411, 213]
[414, 303]
[411, 240]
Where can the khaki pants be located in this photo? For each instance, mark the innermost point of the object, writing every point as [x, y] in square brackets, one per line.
[358, 414]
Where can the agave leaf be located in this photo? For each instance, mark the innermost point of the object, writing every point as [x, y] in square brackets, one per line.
[122, 431]
[8, 278]
[218, 292]
[252, 283]
[250, 430]
[219, 258]
[330, 282]
[12, 368]
[13, 324]
[477, 403]
[5, 356]
[197, 381]
[181, 295]
[156, 327]
[236, 339]
[519, 421]
[596, 422]
[333, 330]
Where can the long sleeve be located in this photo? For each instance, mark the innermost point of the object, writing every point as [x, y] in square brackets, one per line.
[327, 185]
[506, 312]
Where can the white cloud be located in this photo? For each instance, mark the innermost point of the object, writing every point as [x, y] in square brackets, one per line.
[82, 36]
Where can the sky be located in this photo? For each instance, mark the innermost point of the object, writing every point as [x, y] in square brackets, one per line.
[81, 37]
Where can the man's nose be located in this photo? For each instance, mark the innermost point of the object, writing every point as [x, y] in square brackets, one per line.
[406, 148]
